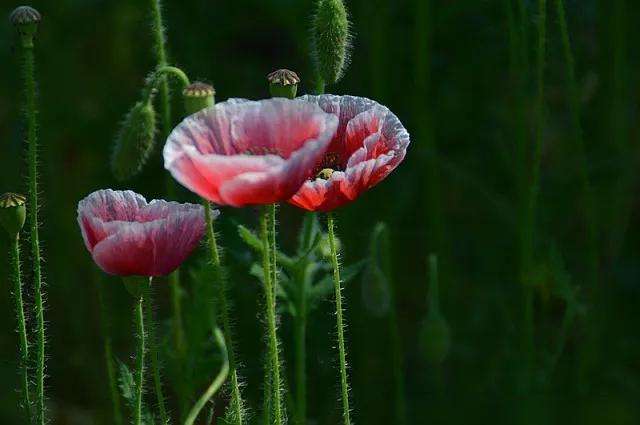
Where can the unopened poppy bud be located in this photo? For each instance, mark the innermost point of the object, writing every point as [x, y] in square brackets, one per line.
[283, 83]
[26, 19]
[12, 213]
[198, 96]
[134, 142]
[324, 248]
[331, 39]
[435, 339]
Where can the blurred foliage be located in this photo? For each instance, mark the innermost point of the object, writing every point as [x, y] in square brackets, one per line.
[444, 68]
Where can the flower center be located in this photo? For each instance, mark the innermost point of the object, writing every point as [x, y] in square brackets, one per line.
[325, 173]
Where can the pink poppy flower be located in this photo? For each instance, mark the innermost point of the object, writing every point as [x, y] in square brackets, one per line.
[127, 236]
[369, 144]
[242, 152]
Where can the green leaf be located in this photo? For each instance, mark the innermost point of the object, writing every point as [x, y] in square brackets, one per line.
[324, 287]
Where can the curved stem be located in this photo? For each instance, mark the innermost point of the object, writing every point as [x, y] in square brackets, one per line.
[158, 78]
[587, 189]
[22, 328]
[268, 215]
[155, 361]
[30, 117]
[108, 358]
[140, 353]
[236, 397]
[215, 384]
[344, 384]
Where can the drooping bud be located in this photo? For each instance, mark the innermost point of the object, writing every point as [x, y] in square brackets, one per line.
[198, 96]
[435, 339]
[134, 142]
[26, 19]
[283, 83]
[12, 213]
[331, 40]
[435, 335]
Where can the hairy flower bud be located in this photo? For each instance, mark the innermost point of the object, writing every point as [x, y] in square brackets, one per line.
[12, 213]
[283, 83]
[198, 96]
[331, 39]
[134, 142]
[26, 19]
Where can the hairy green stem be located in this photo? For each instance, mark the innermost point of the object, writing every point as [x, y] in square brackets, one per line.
[587, 189]
[266, 223]
[215, 384]
[300, 342]
[108, 358]
[344, 384]
[30, 112]
[140, 354]
[159, 41]
[236, 397]
[155, 360]
[16, 276]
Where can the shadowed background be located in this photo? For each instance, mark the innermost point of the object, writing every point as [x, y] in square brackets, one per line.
[465, 90]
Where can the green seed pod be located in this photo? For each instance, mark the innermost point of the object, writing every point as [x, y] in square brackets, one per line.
[26, 19]
[12, 213]
[134, 142]
[331, 40]
[283, 83]
[198, 96]
[435, 339]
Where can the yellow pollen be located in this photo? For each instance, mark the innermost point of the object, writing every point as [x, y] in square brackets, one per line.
[325, 173]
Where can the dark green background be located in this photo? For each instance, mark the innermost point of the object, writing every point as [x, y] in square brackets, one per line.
[444, 68]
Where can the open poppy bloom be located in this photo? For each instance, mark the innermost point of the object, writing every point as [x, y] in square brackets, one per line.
[242, 152]
[370, 143]
[127, 236]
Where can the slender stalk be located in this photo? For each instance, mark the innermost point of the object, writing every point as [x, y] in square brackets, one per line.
[587, 190]
[108, 358]
[159, 41]
[344, 384]
[266, 218]
[320, 85]
[22, 328]
[300, 341]
[236, 397]
[532, 194]
[30, 112]
[215, 384]
[140, 354]
[155, 361]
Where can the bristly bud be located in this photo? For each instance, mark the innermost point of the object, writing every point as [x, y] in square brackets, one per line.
[283, 83]
[198, 96]
[331, 40]
[26, 19]
[134, 142]
[12, 213]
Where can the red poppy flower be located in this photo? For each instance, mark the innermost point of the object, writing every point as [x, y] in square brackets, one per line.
[370, 143]
[128, 236]
[243, 152]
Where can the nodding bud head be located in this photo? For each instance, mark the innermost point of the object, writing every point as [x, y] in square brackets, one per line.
[435, 339]
[331, 39]
[12, 213]
[26, 19]
[198, 96]
[134, 142]
[283, 83]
